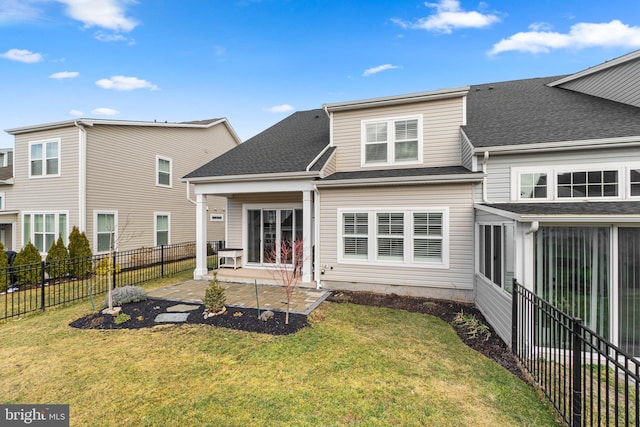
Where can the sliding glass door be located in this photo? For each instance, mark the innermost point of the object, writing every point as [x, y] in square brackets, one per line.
[268, 230]
[629, 289]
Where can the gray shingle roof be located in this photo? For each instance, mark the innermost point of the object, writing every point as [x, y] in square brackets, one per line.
[395, 173]
[527, 111]
[6, 172]
[288, 146]
[570, 208]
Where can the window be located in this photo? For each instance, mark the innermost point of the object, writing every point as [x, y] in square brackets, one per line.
[163, 222]
[355, 234]
[634, 182]
[2, 200]
[496, 250]
[392, 141]
[44, 159]
[163, 171]
[533, 186]
[106, 226]
[43, 229]
[415, 237]
[588, 184]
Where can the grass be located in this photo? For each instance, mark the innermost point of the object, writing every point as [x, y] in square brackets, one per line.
[355, 365]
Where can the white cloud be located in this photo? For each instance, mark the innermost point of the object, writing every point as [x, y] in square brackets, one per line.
[108, 37]
[76, 113]
[449, 16]
[17, 11]
[282, 108]
[64, 75]
[580, 36]
[374, 70]
[109, 14]
[22, 55]
[105, 111]
[123, 83]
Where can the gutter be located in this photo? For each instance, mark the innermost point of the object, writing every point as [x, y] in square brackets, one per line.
[398, 180]
[316, 158]
[249, 178]
[544, 147]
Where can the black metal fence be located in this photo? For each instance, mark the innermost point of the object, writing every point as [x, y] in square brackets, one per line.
[589, 381]
[34, 287]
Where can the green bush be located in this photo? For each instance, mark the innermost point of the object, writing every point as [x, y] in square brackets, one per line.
[126, 294]
[27, 265]
[214, 297]
[4, 269]
[58, 260]
[79, 253]
[106, 266]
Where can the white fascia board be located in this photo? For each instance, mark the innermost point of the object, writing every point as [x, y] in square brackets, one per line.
[581, 144]
[608, 64]
[401, 180]
[499, 212]
[397, 99]
[251, 178]
[272, 186]
[560, 218]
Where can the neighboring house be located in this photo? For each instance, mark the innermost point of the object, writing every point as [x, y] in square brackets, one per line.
[453, 194]
[109, 177]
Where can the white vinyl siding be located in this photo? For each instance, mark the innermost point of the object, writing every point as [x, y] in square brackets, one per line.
[106, 231]
[162, 229]
[163, 171]
[392, 141]
[42, 229]
[44, 158]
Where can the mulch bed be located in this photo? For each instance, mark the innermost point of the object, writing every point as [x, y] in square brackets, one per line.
[246, 319]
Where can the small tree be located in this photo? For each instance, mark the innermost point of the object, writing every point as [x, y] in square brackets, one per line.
[288, 267]
[4, 269]
[214, 297]
[58, 260]
[27, 265]
[79, 253]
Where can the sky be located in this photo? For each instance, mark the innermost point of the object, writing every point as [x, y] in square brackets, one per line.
[257, 61]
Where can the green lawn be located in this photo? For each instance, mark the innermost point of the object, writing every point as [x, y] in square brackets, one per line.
[355, 365]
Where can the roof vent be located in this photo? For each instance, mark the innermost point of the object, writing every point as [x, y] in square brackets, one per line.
[490, 87]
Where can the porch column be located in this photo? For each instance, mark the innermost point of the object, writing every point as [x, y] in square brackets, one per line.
[307, 233]
[201, 237]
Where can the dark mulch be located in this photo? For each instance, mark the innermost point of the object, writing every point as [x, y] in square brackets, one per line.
[493, 347]
[144, 313]
[246, 319]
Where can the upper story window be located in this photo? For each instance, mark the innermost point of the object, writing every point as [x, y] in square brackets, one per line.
[44, 158]
[582, 184]
[163, 171]
[634, 182]
[391, 141]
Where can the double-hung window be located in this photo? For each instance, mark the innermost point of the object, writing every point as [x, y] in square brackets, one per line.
[412, 237]
[391, 141]
[42, 229]
[162, 223]
[106, 231]
[44, 158]
[163, 171]
[496, 250]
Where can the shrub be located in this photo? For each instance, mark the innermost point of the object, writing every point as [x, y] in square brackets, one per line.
[58, 260]
[127, 294]
[4, 269]
[214, 297]
[473, 326]
[80, 254]
[27, 265]
[106, 266]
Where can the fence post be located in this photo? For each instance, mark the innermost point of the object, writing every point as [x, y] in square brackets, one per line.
[576, 389]
[115, 270]
[514, 317]
[42, 272]
[161, 260]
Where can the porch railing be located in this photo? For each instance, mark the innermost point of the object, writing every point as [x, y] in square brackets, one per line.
[37, 286]
[588, 380]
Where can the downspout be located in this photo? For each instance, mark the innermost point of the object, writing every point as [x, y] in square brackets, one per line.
[534, 227]
[484, 180]
[82, 176]
[316, 226]
[189, 194]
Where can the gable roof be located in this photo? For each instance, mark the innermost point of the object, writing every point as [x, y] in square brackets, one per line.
[291, 145]
[529, 111]
[632, 56]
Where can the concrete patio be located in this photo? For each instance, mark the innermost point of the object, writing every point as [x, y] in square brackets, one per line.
[304, 300]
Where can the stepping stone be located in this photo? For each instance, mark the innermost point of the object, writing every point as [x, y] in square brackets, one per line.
[171, 317]
[180, 308]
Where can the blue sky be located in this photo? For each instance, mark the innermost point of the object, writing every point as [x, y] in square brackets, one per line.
[256, 61]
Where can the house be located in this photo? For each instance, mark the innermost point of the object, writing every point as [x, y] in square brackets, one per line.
[109, 178]
[452, 194]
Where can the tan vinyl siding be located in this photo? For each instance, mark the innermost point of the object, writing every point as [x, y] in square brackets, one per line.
[330, 167]
[457, 197]
[499, 166]
[57, 193]
[441, 128]
[121, 176]
[618, 83]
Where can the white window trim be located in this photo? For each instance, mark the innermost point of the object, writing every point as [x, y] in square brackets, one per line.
[408, 236]
[44, 142]
[503, 261]
[3, 201]
[155, 227]
[552, 180]
[390, 141]
[65, 236]
[168, 159]
[628, 170]
[95, 230]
